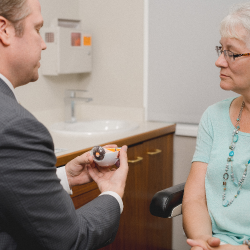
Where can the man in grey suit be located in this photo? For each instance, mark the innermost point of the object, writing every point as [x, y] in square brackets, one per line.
[35, 210]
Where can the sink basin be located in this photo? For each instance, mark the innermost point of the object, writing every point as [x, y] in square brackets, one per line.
[92, 127]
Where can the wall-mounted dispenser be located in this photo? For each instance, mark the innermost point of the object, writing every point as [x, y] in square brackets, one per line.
[68, 48]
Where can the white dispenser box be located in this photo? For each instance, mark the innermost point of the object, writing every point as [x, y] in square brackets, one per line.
[68, 48]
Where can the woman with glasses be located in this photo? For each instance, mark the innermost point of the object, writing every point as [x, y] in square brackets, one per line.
[216, 203]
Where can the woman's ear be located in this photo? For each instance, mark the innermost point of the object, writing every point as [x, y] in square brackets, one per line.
[5, 31]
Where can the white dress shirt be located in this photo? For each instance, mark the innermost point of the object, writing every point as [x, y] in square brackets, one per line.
[61, 173]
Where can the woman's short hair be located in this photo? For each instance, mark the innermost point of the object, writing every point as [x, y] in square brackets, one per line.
[15, 11]
[238, 18]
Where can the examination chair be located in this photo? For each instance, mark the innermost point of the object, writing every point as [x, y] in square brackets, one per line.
[167, 203]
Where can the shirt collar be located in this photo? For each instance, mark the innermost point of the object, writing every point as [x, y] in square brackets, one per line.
[8, 83]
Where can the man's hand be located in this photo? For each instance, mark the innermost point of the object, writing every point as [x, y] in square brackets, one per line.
[76, 170]
[111, 179]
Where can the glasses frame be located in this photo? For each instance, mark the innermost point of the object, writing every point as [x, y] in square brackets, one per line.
[228, 53]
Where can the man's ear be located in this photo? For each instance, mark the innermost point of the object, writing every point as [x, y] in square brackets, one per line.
[5, 31]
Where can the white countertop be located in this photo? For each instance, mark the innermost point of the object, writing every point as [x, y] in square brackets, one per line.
[65, 144]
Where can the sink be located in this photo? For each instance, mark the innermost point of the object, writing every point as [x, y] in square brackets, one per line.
[94, 127]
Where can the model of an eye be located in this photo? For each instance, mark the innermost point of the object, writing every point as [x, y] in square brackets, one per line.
[98, 153]
[105, 157]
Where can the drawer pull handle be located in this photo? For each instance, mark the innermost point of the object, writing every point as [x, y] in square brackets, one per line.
[157, 151]
[137, 160]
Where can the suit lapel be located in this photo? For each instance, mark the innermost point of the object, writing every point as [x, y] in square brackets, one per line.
[4, 88]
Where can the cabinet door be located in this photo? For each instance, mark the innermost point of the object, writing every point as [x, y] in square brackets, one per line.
[138, 228]
[159, 160]
[130, 233]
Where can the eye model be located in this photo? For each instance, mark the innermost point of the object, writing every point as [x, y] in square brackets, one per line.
[98, 152]
[105, 157]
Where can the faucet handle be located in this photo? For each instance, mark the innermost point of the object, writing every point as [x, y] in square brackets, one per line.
[70, 100]
[72, 92]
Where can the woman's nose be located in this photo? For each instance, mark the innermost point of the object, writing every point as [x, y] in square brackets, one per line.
[221, 62]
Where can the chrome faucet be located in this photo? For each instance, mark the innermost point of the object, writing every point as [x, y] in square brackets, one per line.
[70, 100]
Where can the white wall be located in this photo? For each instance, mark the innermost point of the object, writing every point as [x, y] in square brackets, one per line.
[46, 95]
[117, 75]
[117, 30]
[181, 62]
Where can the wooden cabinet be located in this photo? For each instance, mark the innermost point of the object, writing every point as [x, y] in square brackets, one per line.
[138, 228]
[150, 170]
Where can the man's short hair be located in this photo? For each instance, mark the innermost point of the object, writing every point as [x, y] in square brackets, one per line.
[15, 11]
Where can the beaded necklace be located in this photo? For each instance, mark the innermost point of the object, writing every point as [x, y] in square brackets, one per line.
[237, 183]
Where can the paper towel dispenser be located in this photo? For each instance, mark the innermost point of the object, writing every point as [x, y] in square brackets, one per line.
[68, 48]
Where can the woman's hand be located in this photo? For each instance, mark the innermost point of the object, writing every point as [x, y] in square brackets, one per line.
[213, 243]
[205, 243]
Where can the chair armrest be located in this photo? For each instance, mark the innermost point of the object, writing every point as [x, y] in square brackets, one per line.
[165, 202]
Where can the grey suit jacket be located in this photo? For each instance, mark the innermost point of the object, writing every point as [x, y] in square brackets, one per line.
[35, 211]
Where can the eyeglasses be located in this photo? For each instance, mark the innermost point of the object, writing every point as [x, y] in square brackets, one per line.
[229, 56]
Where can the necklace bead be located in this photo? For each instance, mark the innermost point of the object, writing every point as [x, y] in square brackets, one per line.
[236, 137]
[225, 176]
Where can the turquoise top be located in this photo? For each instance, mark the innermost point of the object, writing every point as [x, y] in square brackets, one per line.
[230, 224]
